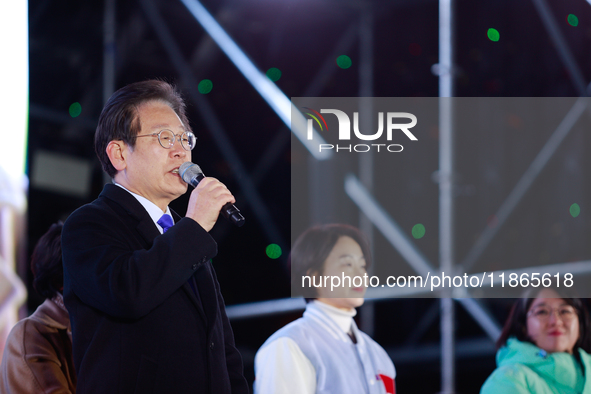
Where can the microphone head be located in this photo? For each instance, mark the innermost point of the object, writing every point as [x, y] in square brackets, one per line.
[189, 170]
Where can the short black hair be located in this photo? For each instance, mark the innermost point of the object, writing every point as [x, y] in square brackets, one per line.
[313, 246]
[119, 119]
[46, 262]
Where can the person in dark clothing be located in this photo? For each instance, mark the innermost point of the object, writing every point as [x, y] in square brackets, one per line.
[146, 309]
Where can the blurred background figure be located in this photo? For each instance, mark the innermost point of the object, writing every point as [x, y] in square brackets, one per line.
[324, 351]
[13, 260]
[38, 353]
[544, 347]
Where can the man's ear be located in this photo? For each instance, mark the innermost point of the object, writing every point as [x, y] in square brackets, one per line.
[117, 152]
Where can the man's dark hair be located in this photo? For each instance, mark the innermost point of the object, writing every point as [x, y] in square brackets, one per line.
[46, 262]
[516, 324]
[119, 119]
[312, 247]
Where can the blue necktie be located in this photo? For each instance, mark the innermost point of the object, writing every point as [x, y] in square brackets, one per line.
[165, 222]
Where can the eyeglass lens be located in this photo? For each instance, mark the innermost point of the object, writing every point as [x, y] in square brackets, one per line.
[167, 139]
[565, 313]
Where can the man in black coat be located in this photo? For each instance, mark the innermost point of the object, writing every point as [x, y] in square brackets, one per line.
[145, 305]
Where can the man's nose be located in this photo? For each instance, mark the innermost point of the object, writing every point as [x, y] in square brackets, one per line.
[177, 147]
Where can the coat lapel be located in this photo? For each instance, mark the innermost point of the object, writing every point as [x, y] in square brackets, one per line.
[195, 299]
[147, 229]
[207, 293]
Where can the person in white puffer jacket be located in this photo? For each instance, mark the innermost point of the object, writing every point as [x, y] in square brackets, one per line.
[324, 351]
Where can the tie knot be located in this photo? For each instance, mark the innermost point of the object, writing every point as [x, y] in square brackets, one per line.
[165, 222]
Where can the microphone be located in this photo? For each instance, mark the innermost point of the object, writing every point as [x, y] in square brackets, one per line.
[192, 174]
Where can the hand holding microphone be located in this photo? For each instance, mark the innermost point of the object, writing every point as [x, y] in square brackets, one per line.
[192, 174]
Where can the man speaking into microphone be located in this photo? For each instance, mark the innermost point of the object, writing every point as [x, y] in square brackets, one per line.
[145, 305]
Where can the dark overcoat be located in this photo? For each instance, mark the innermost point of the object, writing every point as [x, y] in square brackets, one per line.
[146, 309]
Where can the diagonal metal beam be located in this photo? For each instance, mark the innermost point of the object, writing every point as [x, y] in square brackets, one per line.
[473, 306]
[547, 151]
[389, 228]
[429, 316]
[525, 182]
[400, 241]
[561, 47]
[482, 315]
[314, 89]
[218, 133]
[282, 138]
[575, 268]
[578, 268]
[276, 99]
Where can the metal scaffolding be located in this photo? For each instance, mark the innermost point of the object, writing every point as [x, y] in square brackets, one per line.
[359, 188]
[360, 191]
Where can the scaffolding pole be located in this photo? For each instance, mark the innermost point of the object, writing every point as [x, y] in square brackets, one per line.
[446, 203]
[108, 50]
[218, 133]
[108, 57]
[366, 161]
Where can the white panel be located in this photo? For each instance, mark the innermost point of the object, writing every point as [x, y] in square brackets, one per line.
[14, 104]
[60, 173]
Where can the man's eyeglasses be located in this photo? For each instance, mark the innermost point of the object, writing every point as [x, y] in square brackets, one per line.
[167, 139]
[543, 313]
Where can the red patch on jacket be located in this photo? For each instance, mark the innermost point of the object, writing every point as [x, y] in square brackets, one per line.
[388, 383]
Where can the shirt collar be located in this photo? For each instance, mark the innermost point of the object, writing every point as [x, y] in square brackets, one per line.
[152, 209]
[343, 319]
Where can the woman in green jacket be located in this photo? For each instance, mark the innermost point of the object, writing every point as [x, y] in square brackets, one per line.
[544, 348]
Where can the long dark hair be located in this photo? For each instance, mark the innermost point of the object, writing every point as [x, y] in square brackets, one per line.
[516, 324]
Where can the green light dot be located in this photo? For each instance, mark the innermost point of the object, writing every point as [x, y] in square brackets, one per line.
[575, 210]
[344, 61]
[418, 231]
[75, 109]
[493, 34]
[572, 20]
[273, 251]
[205, 86]
[274, 74]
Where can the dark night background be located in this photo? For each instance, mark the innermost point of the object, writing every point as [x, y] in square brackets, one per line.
[301, 38]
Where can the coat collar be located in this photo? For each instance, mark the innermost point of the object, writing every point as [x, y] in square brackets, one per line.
[52, 315]
[120, 199]
[319, 316]
[558, 368]
[145, 224]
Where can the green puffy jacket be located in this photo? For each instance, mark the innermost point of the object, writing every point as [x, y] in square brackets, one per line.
[525, 368]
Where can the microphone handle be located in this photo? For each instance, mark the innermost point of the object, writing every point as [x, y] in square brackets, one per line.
[229, 210]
